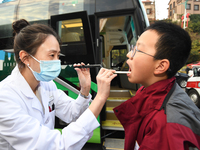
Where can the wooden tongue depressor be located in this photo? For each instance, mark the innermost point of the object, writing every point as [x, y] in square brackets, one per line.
[122, 72]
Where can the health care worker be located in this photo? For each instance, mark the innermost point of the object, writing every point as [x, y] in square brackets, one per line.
[30, 100]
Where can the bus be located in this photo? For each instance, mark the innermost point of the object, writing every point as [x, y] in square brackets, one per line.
[92, 31]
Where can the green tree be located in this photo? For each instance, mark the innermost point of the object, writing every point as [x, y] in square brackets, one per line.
[195, 26]
[194, 54]
[195, 18]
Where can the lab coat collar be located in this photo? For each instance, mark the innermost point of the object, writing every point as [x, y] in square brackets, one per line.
[27, 91]
[20, 81]
[35, 103]
[45, 100]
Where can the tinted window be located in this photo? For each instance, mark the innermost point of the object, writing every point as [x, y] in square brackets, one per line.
[118, 56]
[71, 30]
[34, 10]
[70, 6]
[7, 11]
[106, 5]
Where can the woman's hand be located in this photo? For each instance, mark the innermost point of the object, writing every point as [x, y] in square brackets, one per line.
[104, 79]
[84, 79]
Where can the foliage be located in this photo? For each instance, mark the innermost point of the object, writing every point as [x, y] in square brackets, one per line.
[195, 18]
[194, 54]
[195, 26]
[194, 31]
[194, 23]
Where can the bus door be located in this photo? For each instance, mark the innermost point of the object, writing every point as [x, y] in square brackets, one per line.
[76, 47]
[118, 30]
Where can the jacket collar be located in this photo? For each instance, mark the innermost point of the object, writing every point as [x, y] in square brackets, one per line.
[154, 95]
[20, 81]
[145, 100]
[133, 111]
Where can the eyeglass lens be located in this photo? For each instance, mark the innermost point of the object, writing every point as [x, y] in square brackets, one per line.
[133, 51]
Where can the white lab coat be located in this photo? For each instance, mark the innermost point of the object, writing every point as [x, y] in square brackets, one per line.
[24, 125]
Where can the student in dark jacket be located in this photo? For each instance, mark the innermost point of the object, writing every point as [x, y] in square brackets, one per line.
[160, 116]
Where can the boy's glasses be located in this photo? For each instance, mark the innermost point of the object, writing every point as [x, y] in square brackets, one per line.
[134, 49]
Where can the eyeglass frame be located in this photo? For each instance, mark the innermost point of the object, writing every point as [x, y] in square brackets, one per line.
[134, 49]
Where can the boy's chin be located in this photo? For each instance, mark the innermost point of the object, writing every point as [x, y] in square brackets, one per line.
[132, 81]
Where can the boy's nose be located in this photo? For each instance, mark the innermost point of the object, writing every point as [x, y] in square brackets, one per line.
[128, 54]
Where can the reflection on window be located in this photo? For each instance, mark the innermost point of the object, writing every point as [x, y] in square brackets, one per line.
[118, 57]
[5, 1]
[71, 30]
[34, 10]
[7, 11]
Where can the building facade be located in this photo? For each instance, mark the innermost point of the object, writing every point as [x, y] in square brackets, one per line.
[150, 9]
[177, 8]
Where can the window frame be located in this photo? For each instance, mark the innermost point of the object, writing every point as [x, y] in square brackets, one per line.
[196, 9]
[188, 5]
[150, 11]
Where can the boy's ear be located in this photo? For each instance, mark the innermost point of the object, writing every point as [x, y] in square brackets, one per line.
[24, 57]
[161, 66]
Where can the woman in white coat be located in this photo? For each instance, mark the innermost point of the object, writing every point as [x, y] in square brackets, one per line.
[30, 100]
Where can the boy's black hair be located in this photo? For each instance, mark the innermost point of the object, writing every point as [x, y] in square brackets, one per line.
[174, 44]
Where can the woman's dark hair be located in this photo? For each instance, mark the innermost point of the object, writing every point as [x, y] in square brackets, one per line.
[174, 44]
[29, 37]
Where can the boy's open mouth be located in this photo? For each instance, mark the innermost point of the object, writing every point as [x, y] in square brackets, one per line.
[128, 74]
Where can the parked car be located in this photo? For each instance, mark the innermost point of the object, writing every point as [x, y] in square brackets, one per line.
[197, 63]
[193, 86]
[181, 79]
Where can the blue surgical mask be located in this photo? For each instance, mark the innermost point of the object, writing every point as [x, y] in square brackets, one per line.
[49, 69]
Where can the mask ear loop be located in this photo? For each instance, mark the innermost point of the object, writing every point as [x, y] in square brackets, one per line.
[29, 67]
[34, 58]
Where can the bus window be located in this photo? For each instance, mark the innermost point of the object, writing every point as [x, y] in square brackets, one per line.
[74, 30]
[7, 11]
[106, 5]
[71, 30]
[119, 33]
[130, 31]
[34, 10]
[118, 56]
[70, 6]
[72, 36]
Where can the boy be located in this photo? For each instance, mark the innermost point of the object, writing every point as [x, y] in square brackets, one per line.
[160, 116]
